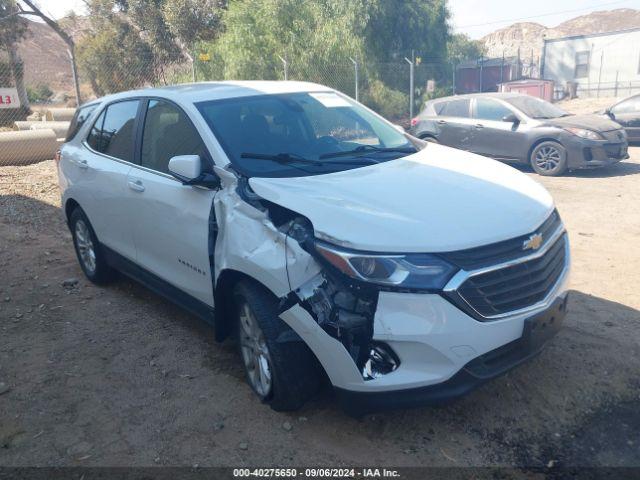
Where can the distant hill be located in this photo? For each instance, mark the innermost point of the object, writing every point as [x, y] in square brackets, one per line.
[528, 36]
[45, 55]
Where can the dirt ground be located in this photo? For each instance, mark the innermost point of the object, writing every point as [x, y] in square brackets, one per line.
[116, 376]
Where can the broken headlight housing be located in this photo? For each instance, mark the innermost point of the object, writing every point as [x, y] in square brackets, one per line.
[420, 271]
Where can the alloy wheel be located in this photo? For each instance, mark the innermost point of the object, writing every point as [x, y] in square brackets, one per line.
[548, 158]
[255, 353]
[86, 249]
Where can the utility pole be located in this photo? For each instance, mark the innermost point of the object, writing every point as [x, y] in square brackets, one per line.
[285, 65]
[410, 62]
[355, 67]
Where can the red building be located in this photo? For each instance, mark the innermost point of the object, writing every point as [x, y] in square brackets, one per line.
[486, 74]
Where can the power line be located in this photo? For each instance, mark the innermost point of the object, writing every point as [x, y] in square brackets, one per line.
[582, 9]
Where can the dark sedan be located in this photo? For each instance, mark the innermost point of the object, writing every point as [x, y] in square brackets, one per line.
[519, 128]
[627, 114]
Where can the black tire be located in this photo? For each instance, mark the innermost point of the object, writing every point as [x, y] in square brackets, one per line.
[294, 371]
[99, 270]
[429, 138]
[549, 159]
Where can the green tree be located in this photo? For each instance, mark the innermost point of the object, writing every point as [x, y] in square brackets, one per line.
[13, 28]
[460, 47]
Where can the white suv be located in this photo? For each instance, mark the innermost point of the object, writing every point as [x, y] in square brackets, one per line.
[323, 238]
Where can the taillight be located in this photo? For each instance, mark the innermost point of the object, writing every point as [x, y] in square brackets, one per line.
[57, 157]
[414, 121]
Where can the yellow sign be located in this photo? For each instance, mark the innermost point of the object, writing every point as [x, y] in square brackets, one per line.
[204, 57]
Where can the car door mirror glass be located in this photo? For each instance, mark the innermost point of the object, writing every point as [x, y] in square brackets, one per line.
[185, 167]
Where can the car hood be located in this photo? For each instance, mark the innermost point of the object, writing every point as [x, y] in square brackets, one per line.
[598, 123]
[439, 199]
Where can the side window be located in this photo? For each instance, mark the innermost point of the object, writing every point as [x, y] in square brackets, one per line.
[487, 109]
[112, 133]
[582, 64]
[456, 108]
[78, 120]
[168, 132]
[95, 134]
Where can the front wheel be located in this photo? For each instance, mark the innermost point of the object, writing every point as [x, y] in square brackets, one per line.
[549, 159]
[279, 367]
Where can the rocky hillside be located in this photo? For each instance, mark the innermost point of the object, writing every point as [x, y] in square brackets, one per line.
[45, 55]
[528, 36]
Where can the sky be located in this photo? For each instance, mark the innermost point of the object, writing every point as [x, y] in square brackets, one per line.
[476, 18]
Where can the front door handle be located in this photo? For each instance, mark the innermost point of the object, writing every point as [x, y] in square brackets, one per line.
[136, 185]
[479, 126]
[441, 122]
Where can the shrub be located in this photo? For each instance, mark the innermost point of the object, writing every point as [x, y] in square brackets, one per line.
[39, 94]
[387, 102]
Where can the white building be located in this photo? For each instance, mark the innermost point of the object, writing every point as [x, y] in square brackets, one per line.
[604, 64]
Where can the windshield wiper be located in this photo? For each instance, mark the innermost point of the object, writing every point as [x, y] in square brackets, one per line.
[288, 158]
[366, 149]
[285, 158]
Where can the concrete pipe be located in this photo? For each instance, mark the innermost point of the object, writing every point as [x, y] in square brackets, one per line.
[25, 125]
[59, 127]
[25, 147]
[59, 114]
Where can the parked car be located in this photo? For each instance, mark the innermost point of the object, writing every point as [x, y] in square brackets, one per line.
[627, 113]
[523, 129]
[324, 240]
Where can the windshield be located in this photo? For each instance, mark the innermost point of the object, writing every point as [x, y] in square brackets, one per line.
[534, 107]
[299, 134]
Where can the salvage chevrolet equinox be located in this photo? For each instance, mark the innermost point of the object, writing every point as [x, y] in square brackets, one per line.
[327, 242]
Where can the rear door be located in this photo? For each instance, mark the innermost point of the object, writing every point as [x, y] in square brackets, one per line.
[494, 137]
[102, 165]
[627, 114]
[170, 221]
[454, 123]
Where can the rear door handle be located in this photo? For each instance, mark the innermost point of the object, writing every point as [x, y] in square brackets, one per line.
[136, 185]
[479, 126]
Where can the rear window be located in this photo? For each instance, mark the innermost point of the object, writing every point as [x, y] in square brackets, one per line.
[454, 108]
[78, 120]
[112, 133]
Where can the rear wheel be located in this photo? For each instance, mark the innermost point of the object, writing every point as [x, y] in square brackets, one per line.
[88, 249]
[279, 367]
[549, 159]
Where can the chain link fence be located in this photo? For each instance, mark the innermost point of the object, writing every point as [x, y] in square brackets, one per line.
[34, 119]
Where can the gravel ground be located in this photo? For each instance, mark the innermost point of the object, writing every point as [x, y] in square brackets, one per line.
[117, 376]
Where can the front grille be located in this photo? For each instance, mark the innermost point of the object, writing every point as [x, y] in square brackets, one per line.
[516, 287]
[487, 255]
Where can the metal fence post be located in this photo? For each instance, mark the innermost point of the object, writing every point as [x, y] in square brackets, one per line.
[616, 85]
[193, 66]
[455, 66]
[355, 67]
[285, 64]
[410, 87]
[600, 72]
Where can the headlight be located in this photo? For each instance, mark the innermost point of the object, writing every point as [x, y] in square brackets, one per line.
[418, 271]
[584, 133]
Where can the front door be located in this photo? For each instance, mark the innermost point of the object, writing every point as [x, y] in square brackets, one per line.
[494, 137]
[170, 221]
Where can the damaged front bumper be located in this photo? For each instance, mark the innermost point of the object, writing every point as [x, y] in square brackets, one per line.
[443, 352]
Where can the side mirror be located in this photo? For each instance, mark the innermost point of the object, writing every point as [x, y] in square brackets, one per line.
[185, 167]
[610, 114]
[188, 169]
[511, 118]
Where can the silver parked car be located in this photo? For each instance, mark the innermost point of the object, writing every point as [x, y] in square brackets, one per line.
[524, 129]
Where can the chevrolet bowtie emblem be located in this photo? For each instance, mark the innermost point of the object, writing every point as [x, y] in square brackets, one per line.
[533, 242]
